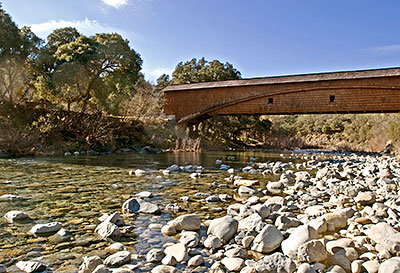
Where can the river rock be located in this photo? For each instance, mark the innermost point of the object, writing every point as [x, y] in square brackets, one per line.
[144, 194]
[15, 215]
[117, 259]
[10, 197]
[169, 260]
[311, 252]
[390, 266]
[155, 256]
[31, 266]
[164, 269]
[101, 268]
[371, 266]
[251, 222]
[190, 222]
[275, 187]
[236, 252]
[299, 236]
[89, 264]
[189, 238]
[386, 236]
[212, 242]
[233, 264]
[179, 251]
[116, 247]
[245, 182]
[196, 261]
[276, 262]
[108, 230]
[224, 227]
[130, 206]
[243, 190]
[168, 230]
[306, 268]
[365, 198]
[335, 221]
[335, 269]
[43, 229]
[267, 240]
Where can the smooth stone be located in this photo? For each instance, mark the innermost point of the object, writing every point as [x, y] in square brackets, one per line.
[189, 238]
[168, 230]
[386, 236]
[243, 190]
[102, 269]
[236, 252]
[169, 260]
[365, 198]
[224, 227]
[89, 264]
[213, 198]
[251, 222]
[247, 240]
[189, 222]
[131, 206]
[299, 236]
[305, 268]
[371, 266]
[108, 230]
[245, 182]
[117, 259]
[311, 252]
[144, 194]
[179, 251]
[116, 247]
[335, 269]
[41, 229]
[10, 197]
[356, 266]
[276, 262]
[212, 242]
[30, 266]
[339, 258]
[275, 187]
[233, 264]
[267, 240]
[196, 261]
[164, 269]
[147, 207]
[15, 215]
[335, 220]
[390, 266]
[155, 255]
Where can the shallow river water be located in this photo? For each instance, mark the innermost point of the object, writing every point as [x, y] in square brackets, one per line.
[77, 190]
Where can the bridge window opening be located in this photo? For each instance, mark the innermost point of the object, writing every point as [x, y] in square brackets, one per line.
[270, 100]
[332, 98]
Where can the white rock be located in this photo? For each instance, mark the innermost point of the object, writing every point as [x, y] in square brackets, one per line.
[267, 240]
[212, 242]
[299, 236]
[179, 251]
[108, 230]
[155, 256]
[305, 268]
[224, 227]
[168, 230]
[186, 222]
[101, 268]
[164, 269]
[15, 215]
[116, 247]
[30, 266]
[196, 261]
[144, 194]
[169, 260]
[89, 264]
[189, 238]
[311, 252]
[118, 259]
[233, 264]
[41, 229]
[390, 266]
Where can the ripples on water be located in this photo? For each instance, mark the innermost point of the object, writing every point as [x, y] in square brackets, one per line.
[77, 190]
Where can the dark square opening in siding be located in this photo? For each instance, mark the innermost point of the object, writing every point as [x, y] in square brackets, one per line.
[332, 98]
[270, 100]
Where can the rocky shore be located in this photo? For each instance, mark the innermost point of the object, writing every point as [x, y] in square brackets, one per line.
[333, 214]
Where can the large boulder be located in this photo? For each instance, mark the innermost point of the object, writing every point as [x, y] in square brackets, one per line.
[224, 227]
[386, 236]
[390, 266]
[299, 236]
[267, 240]
[186, 222]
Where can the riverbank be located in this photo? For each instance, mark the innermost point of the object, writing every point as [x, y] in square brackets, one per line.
[247, 212]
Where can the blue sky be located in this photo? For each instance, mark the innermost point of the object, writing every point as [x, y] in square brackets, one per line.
[259, 37]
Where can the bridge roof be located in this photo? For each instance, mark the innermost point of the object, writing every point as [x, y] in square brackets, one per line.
[330, 76]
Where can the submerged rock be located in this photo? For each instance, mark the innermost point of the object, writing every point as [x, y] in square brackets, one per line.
[44, 229]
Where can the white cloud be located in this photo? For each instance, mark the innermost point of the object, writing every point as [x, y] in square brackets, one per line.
[387, 50]
[153, 75]
[115, 3]
[86, 27]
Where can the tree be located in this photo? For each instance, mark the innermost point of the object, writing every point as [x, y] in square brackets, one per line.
[17, 48]
[94, 73]
[194, 71]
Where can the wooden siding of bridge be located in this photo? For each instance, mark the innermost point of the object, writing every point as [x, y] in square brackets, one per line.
[368, 91]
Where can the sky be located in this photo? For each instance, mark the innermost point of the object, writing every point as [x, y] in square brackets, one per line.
[260, 38]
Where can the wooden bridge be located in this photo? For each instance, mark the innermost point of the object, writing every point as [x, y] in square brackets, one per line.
[364, 91]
